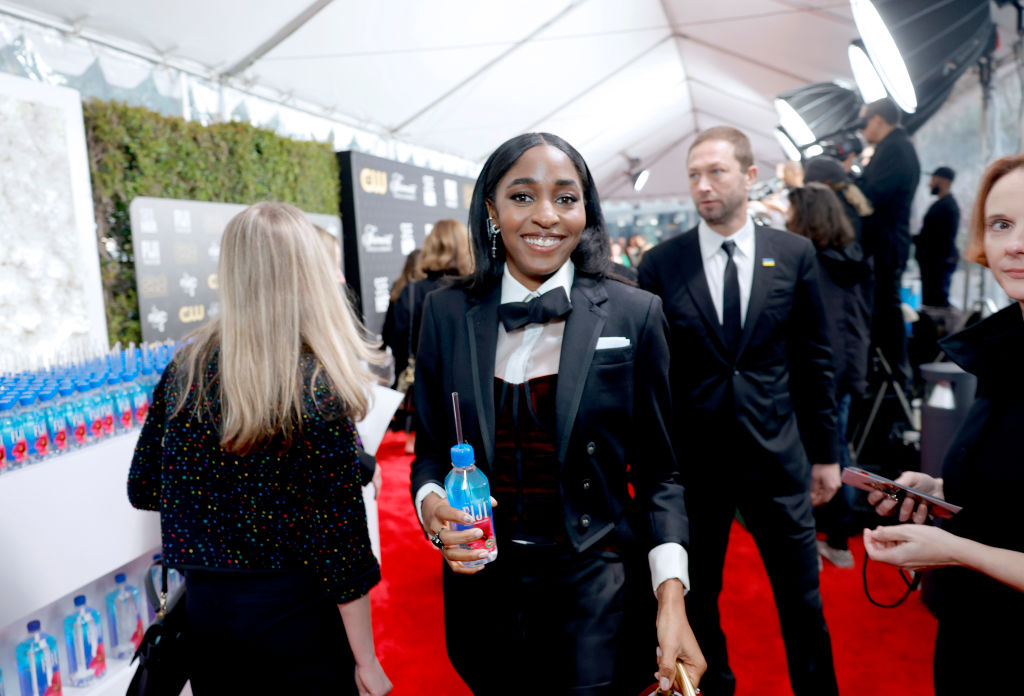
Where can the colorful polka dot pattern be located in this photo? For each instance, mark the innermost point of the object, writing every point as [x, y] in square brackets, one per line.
[274, 509]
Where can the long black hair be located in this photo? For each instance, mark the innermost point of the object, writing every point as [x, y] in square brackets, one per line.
[591, 255]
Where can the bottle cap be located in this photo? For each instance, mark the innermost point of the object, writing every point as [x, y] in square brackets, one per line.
[120, 577]
[27, 399]
[462, 455]
[80, 600]
[33, 625]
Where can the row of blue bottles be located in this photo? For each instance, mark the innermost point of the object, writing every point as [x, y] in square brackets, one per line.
[37, 656]
[45, 413]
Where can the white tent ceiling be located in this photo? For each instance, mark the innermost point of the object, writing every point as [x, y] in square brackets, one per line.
[617, 78]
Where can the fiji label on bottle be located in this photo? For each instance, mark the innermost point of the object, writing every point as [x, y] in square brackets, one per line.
[480, 511]
[16, 445]
[43, 678]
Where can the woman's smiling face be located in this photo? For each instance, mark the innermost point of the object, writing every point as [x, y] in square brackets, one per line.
[539, 207]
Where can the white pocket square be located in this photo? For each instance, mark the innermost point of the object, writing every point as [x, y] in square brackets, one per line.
[606, 342]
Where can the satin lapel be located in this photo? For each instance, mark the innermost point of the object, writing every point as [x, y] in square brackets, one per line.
[582, 329]
[760, 285]
[482, 328]
[692, 266]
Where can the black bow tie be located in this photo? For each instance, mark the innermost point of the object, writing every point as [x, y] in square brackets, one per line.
[551, 305]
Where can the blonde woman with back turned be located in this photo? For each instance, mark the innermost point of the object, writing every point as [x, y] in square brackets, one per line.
[249, 453]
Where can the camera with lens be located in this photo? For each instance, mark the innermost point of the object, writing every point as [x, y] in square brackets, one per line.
[843, 145]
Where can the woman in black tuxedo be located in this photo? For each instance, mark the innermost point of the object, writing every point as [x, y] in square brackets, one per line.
[561, 373]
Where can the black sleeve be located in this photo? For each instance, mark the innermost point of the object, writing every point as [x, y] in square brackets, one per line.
[654, 472]
[890, 175]
[812, 377]
[144, 474]
[433, 439]
[339, 552]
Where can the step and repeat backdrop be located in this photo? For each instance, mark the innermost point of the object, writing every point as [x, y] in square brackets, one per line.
[388, 209]
[177, 244]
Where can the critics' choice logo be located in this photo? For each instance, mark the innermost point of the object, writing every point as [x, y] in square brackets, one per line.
[407, 238]
[373, 181]
[381, 294]
[374, 242]
[213, 251]
[192, 313]
[149, 252]
[401, 190]
[188, 284]
[429, 191]
[157, 318]
[147, 220]
[211, 281]
[451, 193]
[182, 222]
[152, 285]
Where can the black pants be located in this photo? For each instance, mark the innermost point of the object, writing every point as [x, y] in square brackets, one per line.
[545, 621]
[782, 524]
[888, 330]
[265, 633]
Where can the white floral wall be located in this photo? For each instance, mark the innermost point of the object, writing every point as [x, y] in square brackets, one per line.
[50, 293]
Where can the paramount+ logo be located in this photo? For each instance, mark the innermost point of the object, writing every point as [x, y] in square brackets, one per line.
[373, 181]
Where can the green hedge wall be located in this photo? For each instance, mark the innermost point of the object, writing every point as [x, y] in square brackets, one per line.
[136, 152]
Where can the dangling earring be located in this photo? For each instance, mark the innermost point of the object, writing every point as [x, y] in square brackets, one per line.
[493, 231]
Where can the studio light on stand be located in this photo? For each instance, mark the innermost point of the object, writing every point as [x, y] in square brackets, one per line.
[868, 83]
[919, 48]
[815, 113]
[790, 149]
[638, 174]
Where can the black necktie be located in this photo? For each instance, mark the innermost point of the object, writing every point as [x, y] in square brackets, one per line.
[731, 300]
[551, 305]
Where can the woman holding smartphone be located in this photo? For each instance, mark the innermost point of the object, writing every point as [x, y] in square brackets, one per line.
[562, 375]
[980, 551]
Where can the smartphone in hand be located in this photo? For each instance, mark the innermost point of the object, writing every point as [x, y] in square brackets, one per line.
[865, 480]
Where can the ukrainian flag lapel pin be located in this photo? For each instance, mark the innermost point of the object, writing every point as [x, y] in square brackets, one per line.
[768, 262]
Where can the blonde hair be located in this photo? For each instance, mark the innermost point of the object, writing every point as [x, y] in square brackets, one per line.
[279, 301]
[975, 251]
[446, 249]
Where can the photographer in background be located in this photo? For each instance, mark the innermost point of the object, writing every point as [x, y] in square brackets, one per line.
[889, 181]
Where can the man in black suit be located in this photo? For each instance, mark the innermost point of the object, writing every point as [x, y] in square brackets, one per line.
[889, 180]
[752, 386]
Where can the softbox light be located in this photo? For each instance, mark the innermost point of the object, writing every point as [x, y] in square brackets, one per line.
[816, 112]
[919, 48]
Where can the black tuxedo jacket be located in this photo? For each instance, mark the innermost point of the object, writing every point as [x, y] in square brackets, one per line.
[612, 407]
[777, 388]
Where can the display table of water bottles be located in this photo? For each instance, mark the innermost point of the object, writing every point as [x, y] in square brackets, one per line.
[75, 552]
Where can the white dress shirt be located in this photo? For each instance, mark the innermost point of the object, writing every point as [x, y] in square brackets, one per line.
[534, 351]
[715, 258]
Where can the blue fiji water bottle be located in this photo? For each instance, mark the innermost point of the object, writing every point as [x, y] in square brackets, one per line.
[38, 663]
[121, 397]
[468, 490]
[53, 415]
[124, 614]
[12, 432]
[83, 637]
[34, 426]
[77, 409]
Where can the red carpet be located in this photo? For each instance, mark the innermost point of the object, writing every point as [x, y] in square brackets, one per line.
[885, 652]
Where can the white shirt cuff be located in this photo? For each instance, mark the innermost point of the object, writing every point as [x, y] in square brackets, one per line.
[669, 561]
[425, 490]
